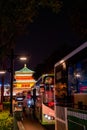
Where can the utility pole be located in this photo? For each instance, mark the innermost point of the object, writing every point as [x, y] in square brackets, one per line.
[12, 78]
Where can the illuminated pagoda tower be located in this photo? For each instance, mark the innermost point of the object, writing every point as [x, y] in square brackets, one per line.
[23, 80]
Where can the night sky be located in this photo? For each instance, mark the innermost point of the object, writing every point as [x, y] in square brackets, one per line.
[45, 35]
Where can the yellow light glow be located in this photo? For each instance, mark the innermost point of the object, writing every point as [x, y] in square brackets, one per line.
[18, 86]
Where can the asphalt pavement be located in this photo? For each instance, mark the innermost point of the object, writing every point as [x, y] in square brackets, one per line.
[31, 123]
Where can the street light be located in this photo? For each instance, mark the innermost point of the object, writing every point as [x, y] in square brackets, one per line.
[23, 58]
[12, 78]
[2, 72]
[11, 70]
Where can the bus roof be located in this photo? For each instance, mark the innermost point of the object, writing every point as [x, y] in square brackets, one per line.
[41, 78]
[81, 47]
[43, 75]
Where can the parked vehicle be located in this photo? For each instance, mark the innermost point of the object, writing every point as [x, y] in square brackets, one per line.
[71, 90]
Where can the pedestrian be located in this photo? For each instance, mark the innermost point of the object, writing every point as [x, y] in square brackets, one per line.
[24, 106]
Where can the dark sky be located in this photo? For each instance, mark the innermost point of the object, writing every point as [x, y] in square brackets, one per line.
[45, 35]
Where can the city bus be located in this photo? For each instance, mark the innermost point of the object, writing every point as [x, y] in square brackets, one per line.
[44, 104]
[70, 93]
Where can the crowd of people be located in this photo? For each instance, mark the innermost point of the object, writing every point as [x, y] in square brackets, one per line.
[28, 105]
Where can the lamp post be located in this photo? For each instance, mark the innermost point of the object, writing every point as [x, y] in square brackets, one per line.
[2, 87]
[12, 78]
[11, 70]
[23, 58]
[2, 91]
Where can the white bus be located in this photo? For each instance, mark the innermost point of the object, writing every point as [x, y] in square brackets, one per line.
[71, 90]
[44, 105]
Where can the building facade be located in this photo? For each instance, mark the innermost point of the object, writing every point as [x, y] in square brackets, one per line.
[23, 80]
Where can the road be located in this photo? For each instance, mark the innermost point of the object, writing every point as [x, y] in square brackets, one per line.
[30, 123]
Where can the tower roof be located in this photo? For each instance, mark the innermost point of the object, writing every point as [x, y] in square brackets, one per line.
[25, 70]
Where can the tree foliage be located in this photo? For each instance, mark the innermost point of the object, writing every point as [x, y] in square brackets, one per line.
[39, 70]
[77, 14]
[48, 64]
[14, 17]
[16, 14]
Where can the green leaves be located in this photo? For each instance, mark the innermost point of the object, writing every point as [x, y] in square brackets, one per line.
[16, 14]
[6, 122]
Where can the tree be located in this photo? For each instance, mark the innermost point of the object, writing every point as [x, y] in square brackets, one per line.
[48, 64]
[39, 70]
[16, 14]
[77, 14]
